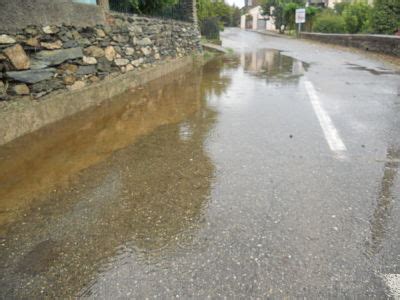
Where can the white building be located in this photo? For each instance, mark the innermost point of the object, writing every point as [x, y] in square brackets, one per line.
[254, 20]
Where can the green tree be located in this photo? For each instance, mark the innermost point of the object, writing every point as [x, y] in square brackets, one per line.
[356, 17]
[340, 6]
[215, 14]
[203, 9]
[227, 15]
[311, 14]
[283, 11]
[236, 14]
[222, 11]
[289, 14]
[274, 9]
[385, 17]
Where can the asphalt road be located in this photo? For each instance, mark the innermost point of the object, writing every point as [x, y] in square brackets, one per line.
[272, 172]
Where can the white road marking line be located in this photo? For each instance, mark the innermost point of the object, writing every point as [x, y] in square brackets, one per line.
[393, 282]
[331, 134]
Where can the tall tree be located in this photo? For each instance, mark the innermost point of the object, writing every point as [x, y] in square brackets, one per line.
[386, 16]
[283, 12]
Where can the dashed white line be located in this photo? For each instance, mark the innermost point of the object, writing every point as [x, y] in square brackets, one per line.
[331, 134]
[393, 282]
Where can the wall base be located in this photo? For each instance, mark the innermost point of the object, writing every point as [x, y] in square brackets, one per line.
[376, 43]
[29, 116]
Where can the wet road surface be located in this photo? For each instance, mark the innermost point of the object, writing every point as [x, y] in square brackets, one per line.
[269, 173]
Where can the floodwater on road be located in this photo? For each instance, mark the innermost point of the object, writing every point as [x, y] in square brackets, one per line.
[218, 181]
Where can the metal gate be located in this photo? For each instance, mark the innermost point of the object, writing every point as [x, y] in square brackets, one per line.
[261, 24]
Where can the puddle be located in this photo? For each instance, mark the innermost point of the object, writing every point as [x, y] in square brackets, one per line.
[46, 160]
[273, 66]
[381, 71]
[385, 201]
[133, 171]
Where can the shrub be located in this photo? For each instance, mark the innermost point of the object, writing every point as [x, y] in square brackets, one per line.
[210, 28]
[340, 7]
[283, 12]
[141, 6]
[329, 23]
[356, 17]
[311, 14]
[385, 17]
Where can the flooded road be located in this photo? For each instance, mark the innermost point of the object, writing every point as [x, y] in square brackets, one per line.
[272, 172]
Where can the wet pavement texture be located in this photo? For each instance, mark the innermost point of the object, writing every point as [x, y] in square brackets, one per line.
[222, 181]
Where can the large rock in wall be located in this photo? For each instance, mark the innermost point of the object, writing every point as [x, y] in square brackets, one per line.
[41, 59]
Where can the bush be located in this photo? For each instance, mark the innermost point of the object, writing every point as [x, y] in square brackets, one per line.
[149, 7]
[385, 17]
[311, 14]
[289, 14]
[210, 28]
[356, 17]
[340, 7]
[329, 23]
[283, 12]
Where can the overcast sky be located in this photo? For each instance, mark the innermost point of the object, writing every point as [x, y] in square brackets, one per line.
[238, 3]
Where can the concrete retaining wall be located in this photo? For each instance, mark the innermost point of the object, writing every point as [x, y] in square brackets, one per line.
[376, 43]
[32, 115]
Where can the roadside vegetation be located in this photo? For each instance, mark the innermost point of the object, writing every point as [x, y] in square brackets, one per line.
[347, 17]
[143, 6]
[284, 12]
[214, 16]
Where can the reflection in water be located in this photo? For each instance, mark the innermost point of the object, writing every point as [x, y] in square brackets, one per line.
[47, 158]
[217, 79]
[273, 65]
[144, 197]
[383, 209]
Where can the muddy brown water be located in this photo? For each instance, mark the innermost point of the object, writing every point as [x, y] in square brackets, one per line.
[133, 169]
[44, 160]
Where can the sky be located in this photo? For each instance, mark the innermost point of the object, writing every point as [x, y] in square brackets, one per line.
[238, 3]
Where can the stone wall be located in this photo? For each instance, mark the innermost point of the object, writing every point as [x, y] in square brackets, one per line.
[190, 10]
[17, 14]
[38, 60]
[376, 43]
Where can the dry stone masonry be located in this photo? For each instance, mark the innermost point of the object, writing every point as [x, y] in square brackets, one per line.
[38, 60]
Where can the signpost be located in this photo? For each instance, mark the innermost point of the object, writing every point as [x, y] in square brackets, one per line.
[300, 17]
